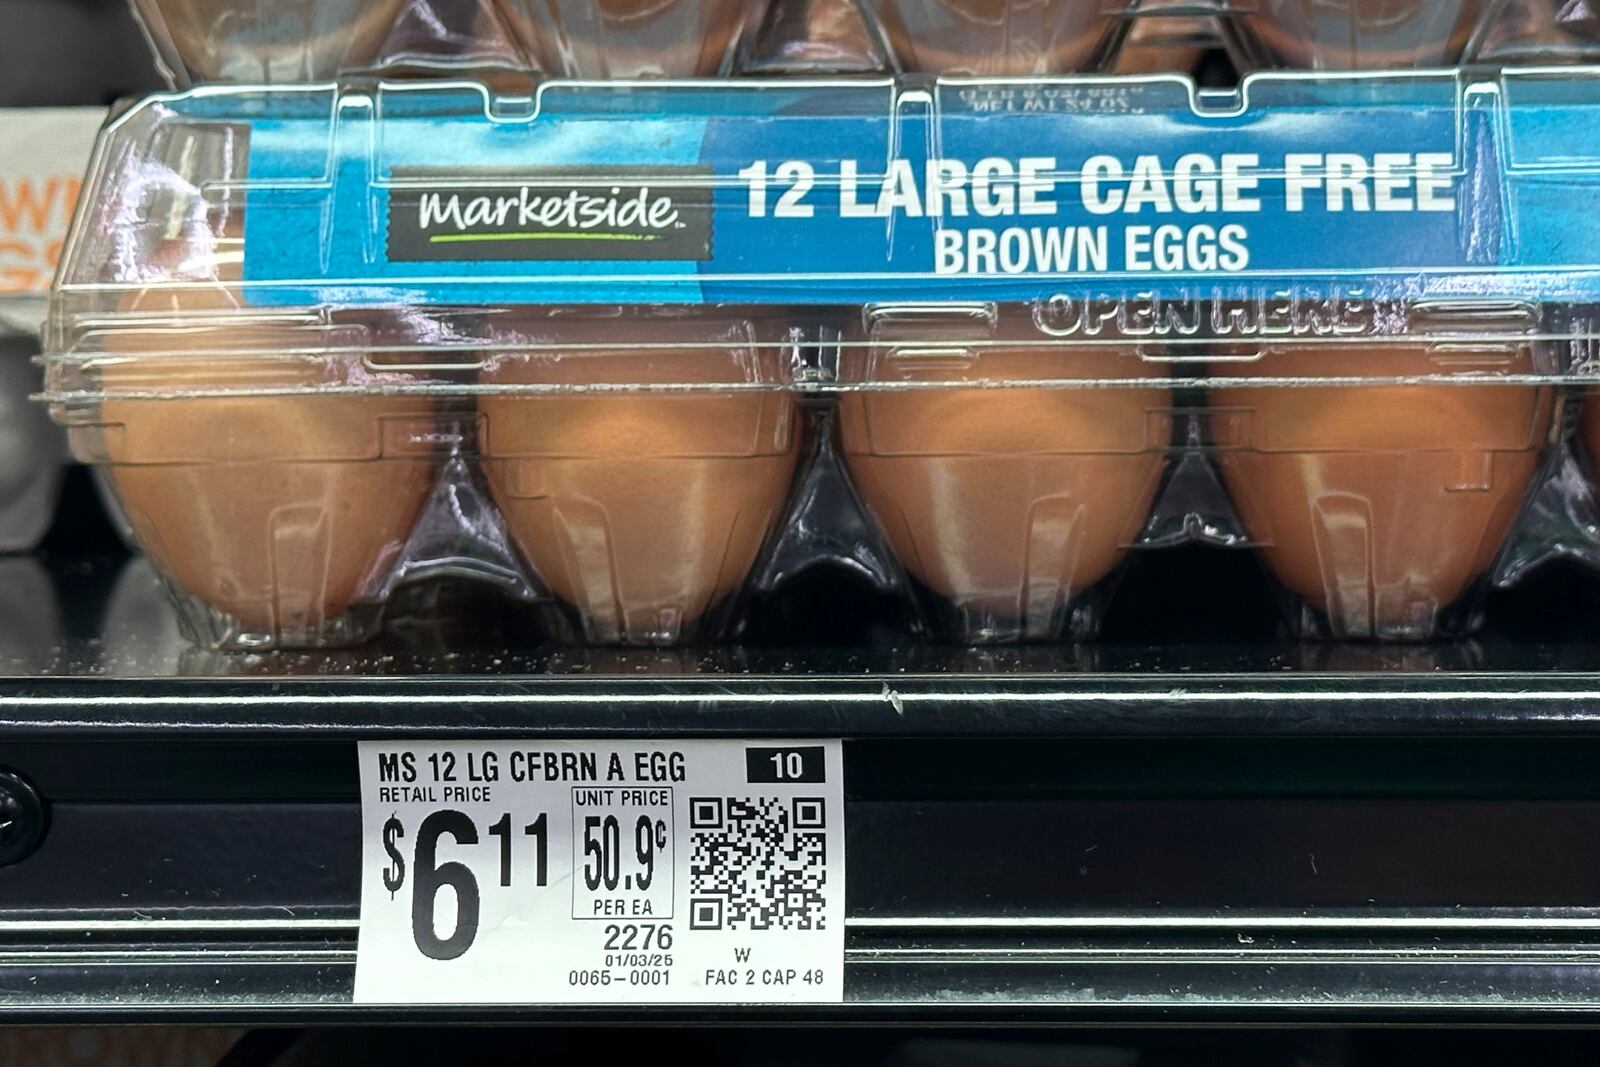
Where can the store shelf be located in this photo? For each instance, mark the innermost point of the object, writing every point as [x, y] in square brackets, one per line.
[217, 879]
[1240, 828]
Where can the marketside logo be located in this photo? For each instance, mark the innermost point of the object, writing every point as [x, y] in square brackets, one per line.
[568, 213]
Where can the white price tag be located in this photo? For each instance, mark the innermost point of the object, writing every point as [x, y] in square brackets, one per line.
[646, 872]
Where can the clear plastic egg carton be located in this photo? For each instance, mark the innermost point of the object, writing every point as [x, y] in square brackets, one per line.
[640, 352]
[935, 292]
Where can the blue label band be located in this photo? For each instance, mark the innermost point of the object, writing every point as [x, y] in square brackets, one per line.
[1401, 188]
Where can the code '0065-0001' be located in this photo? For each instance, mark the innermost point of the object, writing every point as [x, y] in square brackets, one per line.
[606, 872]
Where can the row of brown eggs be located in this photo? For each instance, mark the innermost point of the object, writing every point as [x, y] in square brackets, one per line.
[1377, 504]
[645, 509]
[262, 40]
[280, 503]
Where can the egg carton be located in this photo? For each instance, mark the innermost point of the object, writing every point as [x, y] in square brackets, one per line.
[636, 358]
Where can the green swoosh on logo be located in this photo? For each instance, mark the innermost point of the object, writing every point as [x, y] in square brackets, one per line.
[546, 235]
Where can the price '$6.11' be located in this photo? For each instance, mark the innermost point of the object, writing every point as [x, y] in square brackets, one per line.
[571, 872]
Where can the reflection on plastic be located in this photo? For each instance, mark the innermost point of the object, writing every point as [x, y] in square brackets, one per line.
[30, 617]
[32, 451]
[139, 630]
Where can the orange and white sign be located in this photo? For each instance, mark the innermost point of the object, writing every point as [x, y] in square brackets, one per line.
[43, 154]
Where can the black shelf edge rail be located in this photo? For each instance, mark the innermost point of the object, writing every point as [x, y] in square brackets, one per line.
[868, 705]
[1290, 848]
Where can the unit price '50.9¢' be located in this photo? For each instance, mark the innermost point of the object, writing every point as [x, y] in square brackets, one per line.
[607, 865]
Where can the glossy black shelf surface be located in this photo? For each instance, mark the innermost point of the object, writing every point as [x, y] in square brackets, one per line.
[87, 644]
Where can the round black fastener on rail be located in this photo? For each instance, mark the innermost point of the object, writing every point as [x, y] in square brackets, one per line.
[21, 818]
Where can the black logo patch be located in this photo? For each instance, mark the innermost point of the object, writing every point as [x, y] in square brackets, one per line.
[567, 213]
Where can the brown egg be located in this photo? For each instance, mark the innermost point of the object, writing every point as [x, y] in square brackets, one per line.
[632, 38]
[1379, 505]
[1355, 34]
[277, 511]
[458, 39]
[1010, 503]
[268, 40]
[1543, 31]
[1589, 431]
[818, 36]
[994, 37]
[644, 510]
[1164, 44]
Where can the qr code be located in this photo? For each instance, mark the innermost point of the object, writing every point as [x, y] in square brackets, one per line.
[758, 863]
